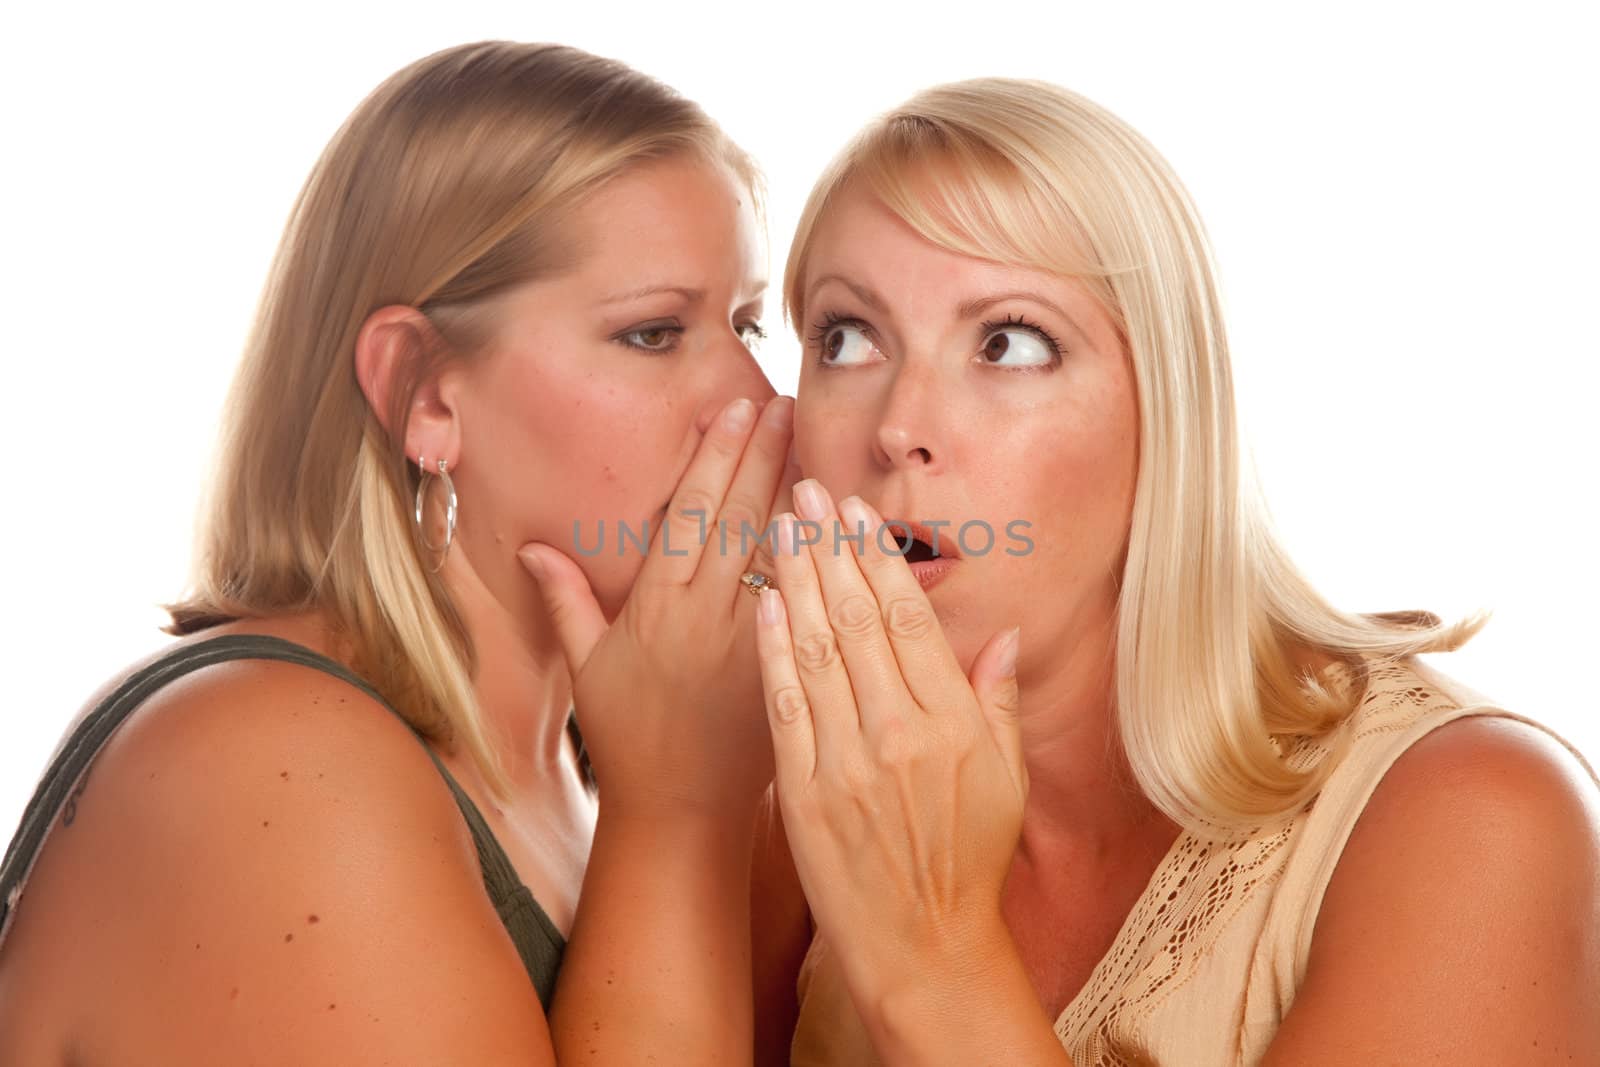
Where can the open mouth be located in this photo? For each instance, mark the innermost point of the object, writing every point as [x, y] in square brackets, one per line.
[919, 544]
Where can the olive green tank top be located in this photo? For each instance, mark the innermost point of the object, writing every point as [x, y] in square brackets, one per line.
[538, 941]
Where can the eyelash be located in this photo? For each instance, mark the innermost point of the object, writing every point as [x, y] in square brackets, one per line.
[1050, 340]
[625, 337]
[750, 331]
[830, 319]
[820, 330]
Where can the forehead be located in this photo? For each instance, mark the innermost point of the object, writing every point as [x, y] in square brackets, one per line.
[859, 238]
[863, 248]
[663, 210]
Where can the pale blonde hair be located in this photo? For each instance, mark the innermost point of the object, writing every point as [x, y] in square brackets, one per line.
[450, 184]
[1208, 698]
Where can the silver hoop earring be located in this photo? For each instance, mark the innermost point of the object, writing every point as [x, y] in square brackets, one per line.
[449, 510]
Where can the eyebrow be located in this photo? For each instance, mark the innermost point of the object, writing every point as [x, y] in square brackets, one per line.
[971, 309]
[862, 292]
[967, 309]
[691, 295]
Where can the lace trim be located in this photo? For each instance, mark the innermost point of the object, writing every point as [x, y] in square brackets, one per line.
[1201, 885]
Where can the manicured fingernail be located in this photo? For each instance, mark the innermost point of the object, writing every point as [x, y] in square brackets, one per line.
[811, 499]
[531, 560]
[779, 412]
[1008, 652]
[854, 510]
[737, 417]
[770, 609]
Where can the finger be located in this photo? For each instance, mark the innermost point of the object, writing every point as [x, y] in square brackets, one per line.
[994, 682]
[794, 740]
[925, 658]
[816, 650]
[578, 620]
[742, 518]
[762, 559]
[676, 549]
[852, 610]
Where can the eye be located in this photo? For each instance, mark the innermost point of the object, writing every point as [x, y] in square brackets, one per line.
[752, 335]
[843, 342]
[1018, 343]
[652, 337]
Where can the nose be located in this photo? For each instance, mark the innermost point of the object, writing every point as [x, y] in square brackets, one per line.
[909, 431]
[734, 373]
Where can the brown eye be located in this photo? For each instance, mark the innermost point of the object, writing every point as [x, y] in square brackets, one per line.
[662, 337]
[833, 344]
[1017, 346]
[843, 343]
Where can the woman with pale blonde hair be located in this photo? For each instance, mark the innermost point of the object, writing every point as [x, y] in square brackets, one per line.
[1192, 813]
[511, 311]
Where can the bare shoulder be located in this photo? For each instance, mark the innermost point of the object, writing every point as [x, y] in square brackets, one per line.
[1463, 917]
[291, 879]
[1481, 786]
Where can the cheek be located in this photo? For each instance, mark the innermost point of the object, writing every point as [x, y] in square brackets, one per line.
[830, 434]
[567, 445]
[1069, 470]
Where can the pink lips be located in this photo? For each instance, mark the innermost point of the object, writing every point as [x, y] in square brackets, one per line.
[931, 572]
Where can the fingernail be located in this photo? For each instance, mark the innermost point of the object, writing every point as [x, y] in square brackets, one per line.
[530, 559]
[770, 609]
[1008, 652]
[811, 499]
[854, 510]
[779, 412]
[738, 416]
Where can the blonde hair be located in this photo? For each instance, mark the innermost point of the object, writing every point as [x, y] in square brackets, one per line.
[1209, 702]
[448, 185]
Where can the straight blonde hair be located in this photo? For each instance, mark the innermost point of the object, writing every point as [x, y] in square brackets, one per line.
[1209, 701]
[450, 184]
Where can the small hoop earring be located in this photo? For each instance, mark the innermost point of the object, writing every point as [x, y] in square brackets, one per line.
[449, 510]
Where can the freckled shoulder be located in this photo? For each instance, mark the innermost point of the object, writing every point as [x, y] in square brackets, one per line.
[270, 856]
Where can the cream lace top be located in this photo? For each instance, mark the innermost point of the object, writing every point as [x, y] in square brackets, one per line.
[1207, 963]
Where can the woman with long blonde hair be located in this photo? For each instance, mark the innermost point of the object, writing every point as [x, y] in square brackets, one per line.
[1192, 813]
[511, 314]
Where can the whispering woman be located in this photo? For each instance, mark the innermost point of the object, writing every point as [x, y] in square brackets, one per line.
[346, 818]
[1192, 813]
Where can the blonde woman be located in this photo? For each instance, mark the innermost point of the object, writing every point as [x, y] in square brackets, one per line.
[1224, 821]
[512, 309]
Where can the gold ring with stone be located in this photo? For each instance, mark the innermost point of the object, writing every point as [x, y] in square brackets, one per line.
[755, 581]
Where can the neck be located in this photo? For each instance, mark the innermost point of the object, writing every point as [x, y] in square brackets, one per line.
[1082, 797]
[521, 678]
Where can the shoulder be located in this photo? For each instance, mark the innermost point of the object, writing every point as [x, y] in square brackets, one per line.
[1483, 787]
[1464, 910]
[254, 734]
[284, 848]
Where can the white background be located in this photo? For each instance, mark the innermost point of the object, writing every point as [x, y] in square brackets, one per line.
[1402, 197]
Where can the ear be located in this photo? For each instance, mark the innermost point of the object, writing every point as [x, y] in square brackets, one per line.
[392, 353]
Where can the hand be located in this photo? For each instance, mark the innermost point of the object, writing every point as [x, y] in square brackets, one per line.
[668, 695]
[901, 782]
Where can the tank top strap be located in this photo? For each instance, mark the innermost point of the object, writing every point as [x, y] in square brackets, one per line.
[539, 943]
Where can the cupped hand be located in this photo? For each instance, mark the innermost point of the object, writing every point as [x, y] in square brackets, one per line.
[668, 694]
[900, 779]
